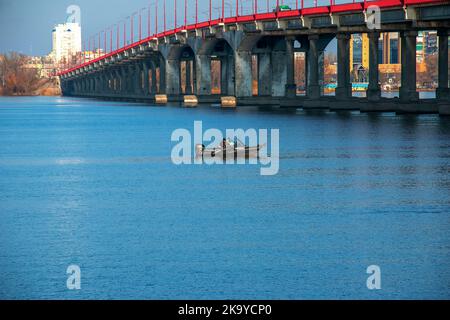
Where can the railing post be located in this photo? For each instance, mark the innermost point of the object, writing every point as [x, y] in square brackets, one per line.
[117, 36]
[223, 10]
[105, 42]
[156, 18]
[125, 33]
[132, 28]
[185, 14]
[148, 21]
[196, 12]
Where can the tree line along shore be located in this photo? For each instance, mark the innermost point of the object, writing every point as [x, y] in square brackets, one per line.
[21, 75]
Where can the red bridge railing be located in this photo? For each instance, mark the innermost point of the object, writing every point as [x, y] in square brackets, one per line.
[256, 11]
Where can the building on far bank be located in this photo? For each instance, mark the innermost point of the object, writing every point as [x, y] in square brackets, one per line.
[66, 41]
[389, 58]
[43, 65]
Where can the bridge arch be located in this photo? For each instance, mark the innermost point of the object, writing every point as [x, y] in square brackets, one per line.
[215, 67]
[157, 64]
[187, 70]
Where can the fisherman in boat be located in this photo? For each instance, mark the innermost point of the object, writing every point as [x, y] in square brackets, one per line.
[224, 144]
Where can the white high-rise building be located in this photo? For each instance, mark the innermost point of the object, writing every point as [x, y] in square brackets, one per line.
[66, 41]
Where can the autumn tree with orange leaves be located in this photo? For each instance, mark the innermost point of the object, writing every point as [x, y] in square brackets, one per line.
[18, 80]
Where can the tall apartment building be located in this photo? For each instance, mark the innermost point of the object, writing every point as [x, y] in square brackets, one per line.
[66, 41]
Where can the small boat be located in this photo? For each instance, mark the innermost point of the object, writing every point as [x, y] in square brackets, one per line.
[232, 150]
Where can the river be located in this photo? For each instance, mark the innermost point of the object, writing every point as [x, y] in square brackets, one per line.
[91, 183]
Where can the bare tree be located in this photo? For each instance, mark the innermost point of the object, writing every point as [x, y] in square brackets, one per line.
[18, 79]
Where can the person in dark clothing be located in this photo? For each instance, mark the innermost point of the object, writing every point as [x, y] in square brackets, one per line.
[224, 144]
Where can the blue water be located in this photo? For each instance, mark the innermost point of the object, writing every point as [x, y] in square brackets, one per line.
[91, 183]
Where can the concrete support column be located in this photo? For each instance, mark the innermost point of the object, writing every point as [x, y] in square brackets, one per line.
[264, 75]
[104, 77]
[224, 76]
[291, 87]
[344, 86]
[96, 84]
[123, 80]
[154, 80]
[408, 90]
[131, 83]
[230, 69]
[373, 92]
[92, 83]
[111, 82]
[203, 71]
[188, 83]
[138, 79]
[100, 83]
[243, 73]
[172, 77]
[145, 89]
[118, 83]
[279, 73]
[103, 82]
[162, 76]
[442, 91]
[312, 59]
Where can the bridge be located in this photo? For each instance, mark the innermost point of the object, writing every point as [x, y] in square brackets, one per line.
[176, 65]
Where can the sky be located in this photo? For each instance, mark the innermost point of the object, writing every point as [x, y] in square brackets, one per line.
[26, 25]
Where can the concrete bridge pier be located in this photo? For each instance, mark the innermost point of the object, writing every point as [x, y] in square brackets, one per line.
[344, 86]
[442, 91]
[312, 60]
[145, 78]
[374, 91]
[124, 80]
[203, 71]
[227, 75]
[290, 87]
[154, 87]
[107, 83]
[100, 83]
[188, 78]
[408, 91]
[137, 78]
[279, 72]
[243, 74]
[119, 82]
[264, 74]
[172, 77]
